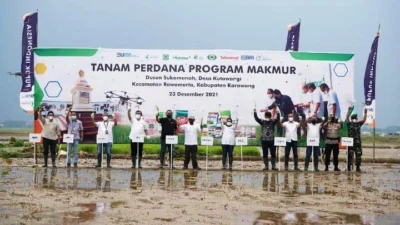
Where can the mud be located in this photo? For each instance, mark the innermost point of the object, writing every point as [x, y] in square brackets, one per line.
[150, 196]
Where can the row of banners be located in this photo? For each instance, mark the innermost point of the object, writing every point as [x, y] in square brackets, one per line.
[30, 91]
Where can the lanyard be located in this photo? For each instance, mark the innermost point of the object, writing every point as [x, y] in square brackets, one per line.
[106, 126]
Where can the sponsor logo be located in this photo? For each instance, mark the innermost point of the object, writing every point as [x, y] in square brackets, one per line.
[126, 55]
[152, 57]
[165, 56]
[182, 120]
[197, 57]
[177, 57]
[247, 57]
[262, 58]
[230, 57]
[211, 57]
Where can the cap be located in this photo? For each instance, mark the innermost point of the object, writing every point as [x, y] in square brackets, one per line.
[354, 116]
[191, 117]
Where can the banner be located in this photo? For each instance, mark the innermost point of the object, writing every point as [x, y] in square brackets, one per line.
[209, 83]
[293, 37]
[29, 41]
[369, 83]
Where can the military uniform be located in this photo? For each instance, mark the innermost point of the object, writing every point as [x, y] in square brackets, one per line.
[354, 130]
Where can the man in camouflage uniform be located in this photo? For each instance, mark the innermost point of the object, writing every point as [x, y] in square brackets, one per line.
[354, 130]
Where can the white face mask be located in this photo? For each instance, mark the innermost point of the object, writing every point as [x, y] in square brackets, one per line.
[105, 118]
[290, 119]
[73, 117]
[138, 116]
[354, 120]
[269, 95]
[229, 123]
[267, 119]
[51, 117]
[326, 92]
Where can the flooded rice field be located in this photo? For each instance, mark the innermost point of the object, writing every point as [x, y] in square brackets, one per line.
[150, 196]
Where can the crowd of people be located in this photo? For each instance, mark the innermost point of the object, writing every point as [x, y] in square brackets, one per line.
[280, 114]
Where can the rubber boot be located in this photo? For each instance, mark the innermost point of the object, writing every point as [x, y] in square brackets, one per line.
[316, 165]
[349, 167]
[273, 164]
[265, 163]
[358, 169]
[53, 160]
[162, 158]
[306, 163]
[140, 162]
[296, 164]
[45, 158]
[230, 163]
[224, 163]
[286, 163]
[327, 168]
[109, 161]
[133, 162]
[98, 161]
[336, 169]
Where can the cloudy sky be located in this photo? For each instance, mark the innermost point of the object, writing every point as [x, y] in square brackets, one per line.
[327, 26]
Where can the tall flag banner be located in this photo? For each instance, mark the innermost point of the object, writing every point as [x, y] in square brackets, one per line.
[29, 42]
[369, 82]
[293, 37]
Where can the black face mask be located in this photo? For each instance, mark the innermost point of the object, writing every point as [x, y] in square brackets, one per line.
[169, 116]
[191, 122]
[332, 120]
[313, 121]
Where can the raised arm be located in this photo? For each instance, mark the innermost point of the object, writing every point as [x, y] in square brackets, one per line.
[348, 115]
[256, 117]
[93, 121]
[39, 111]
[115, 120]
[236, 124]
[365, 117]
[157, 118]
[129, 115]
[201, 124]
[68, 114]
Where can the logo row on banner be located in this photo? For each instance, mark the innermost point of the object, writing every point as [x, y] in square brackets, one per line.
[206, 141]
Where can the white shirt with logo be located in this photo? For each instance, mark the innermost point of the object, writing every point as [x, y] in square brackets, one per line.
[333, 99]
[191, 133]
[291, 131]
[228, 135]
[103, 126]
[313, 130]
[138, 128]
[316, 97]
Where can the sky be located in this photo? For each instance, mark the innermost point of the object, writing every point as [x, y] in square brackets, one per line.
[327, 26]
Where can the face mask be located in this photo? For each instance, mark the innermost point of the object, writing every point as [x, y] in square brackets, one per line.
[229, 124]
[73, 117]
[290, 119]
[354, 120]
[332, 119]
[169, 116]
[191, 122]
[326, 92]
[313, 121]
[269, 95]
[268, 119]
[105, 118]
[309, 91]
[51, 117]
[138, 116]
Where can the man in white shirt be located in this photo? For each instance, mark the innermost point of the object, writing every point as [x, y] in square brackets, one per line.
[291, 141]
[303, 108]
[313, 132]
[228, 141]
[317, 102]
[191, 131]
[138, 128]
[333, 106]
[105, 127]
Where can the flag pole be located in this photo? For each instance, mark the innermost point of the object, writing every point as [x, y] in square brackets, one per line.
[373, 147]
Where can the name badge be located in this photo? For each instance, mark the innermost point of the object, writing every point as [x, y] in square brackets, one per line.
[347, 141]
[138, 138]
[280, 141]
[207, 141]
[101, 139]
[312, 141]
[68, 138]
[34, 138]
[241, 140]
[171, 139]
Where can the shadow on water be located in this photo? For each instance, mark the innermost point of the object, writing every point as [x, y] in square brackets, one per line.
[265, 217]
[290, 184]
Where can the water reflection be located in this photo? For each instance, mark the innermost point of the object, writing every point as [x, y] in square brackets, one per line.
[227, 178]
[136, 179]
[190, 179]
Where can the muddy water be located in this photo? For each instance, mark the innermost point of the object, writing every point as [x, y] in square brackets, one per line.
[125, 196]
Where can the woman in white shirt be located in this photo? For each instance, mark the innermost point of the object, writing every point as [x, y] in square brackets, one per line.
[138, 128]
[228, 141]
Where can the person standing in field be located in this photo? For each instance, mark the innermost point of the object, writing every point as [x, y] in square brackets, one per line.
[191, 131]
[75, 128]
[354, 130]
[168, 127]
[50, 135]
[228, 141]
[332, 142]
[267, 138]
[313, 132]
[138, 128]
[105, 127]
[291, 141]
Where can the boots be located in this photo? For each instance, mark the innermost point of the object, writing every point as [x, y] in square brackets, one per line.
[53, 160]
[316, 165]
[265, 163]
[273, 164]
[224, 163]
[286, 163]
[306, 163]
[336, 169]
[327, 168]
[140, 162]
[230, 162]
[133, 162]
[358, 169]
[109, 161]
[98, 161]
[349, 167]
[296, 164]
[45, 158]
[162, 158]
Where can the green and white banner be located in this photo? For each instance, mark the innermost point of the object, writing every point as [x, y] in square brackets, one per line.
[199, 81]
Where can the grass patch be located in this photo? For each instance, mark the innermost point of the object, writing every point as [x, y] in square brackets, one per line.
[16, 130]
